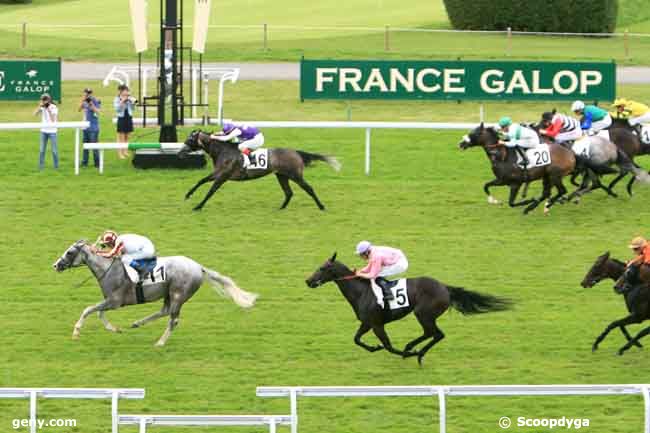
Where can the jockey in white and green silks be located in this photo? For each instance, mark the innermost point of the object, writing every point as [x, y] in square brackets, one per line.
[518, 137]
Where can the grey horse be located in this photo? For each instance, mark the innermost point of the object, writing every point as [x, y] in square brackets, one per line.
[177, 279]
[599, 154]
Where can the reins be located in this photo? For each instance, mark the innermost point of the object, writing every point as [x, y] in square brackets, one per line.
[99, 280]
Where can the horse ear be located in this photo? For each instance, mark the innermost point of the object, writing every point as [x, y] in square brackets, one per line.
[482, 126]
[554, 110]
[333, 257]
[606, 255]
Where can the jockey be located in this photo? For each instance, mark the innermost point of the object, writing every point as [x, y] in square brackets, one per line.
[382, 262]
[518, 137]
[561, 128]
[593, 119]
[641, 248]
[249, 139]
[636, 113]
[134, 250]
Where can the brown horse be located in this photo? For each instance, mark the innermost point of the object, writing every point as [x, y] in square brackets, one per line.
[287, 164]
[507, 172]
[623, 135]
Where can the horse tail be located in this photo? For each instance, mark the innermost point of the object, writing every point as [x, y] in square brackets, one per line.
[468, 302]
[308, 158]
[227, 288]
[626, 163]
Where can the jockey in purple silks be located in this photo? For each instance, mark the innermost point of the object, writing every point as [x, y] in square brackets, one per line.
[249, 138]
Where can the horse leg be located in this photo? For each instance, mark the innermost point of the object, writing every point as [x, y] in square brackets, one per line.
[616, 180]
[632, 318]
[524, 193]
[284, 183]
[629, 338]
[206, 179]
[437, 336]
[164, 311]
[486, 189]
[88, 311]
[427, 320]
[309, 190]
[636, 339]
[363, 329]
[108, 325]
[174, 312]
[215, 186]
[546, 192]
[629, 185]
[561, 190]
[380, 332]
[514, 190]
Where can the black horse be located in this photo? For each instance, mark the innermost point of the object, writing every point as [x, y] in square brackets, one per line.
[637, 301]
[427, 298]
[287, 164]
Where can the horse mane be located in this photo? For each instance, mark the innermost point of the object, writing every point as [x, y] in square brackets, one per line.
[618, 262]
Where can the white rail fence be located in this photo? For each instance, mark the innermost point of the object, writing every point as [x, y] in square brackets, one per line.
[442, 392]
[144, 421]
[114, 394]
[367, 126]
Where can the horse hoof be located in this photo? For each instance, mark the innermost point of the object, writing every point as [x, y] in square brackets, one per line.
[135, 325]
[75, 336]
[420, 357]
[620, 352]
[197, 208]
[159, 344]
[492, 200]
[594, 348]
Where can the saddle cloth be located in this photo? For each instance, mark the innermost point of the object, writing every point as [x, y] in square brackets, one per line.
[399, 292]
[645, 134]
[537, 156]
[260, 157]
[582, 147]
[155, 275]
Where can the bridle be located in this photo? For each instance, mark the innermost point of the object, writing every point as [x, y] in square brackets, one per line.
[67, 263]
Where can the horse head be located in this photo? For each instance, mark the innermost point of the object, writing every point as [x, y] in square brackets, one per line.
[479, 136]
[597, 272]
[71, 258]
[331, 270]
[193, 143]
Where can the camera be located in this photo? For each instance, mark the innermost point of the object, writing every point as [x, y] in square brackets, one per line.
[88, 100]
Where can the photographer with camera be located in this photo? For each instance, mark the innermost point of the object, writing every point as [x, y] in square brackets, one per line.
[91, 107]
[49, 114]
[124, 107]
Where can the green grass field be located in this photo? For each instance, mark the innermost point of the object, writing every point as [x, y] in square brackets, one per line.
[424, 196]
[337, 40]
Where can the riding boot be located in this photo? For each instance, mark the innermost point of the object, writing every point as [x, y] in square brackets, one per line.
[638, 129]
[631, 278]
[524, 159]
[252, 159]
[383, 283]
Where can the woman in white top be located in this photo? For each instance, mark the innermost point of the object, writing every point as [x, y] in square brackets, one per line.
[49, 114]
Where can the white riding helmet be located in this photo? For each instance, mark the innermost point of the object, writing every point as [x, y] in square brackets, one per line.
[363, 247]
[578, 106]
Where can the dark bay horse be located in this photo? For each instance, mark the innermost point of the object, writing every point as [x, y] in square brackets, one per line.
[428, 299]
[287, 164]
[636, 301]
[507, 173]
[623, 135]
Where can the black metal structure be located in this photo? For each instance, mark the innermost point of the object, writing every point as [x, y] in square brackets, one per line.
[170, 99]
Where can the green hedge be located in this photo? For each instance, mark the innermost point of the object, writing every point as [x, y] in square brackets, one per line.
[582, 16]
[12, 2]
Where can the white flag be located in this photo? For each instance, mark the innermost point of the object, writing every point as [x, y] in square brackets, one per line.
[201, 21]
[139, 24]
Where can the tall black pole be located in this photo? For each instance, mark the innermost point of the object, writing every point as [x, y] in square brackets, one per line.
[168, 101]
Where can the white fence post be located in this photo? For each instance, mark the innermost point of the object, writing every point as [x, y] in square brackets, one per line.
[114, 412]
[143, 425]
[442, 409]
[367, 151]
[272, 425]
[293, 398]
[32, 411]
[646, 402]
[76, 151]
[101, 161]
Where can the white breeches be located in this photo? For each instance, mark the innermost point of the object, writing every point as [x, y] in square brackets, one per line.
[252, 144]
[573, 135]
[146, 251]
[396, 268]
[605, 122]
[645, 118]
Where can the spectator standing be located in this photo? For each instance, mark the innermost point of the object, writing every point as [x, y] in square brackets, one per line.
[124, 107]
[49, 114]
[91, 108]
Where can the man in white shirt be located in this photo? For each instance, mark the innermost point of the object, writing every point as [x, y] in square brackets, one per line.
[49, 115]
